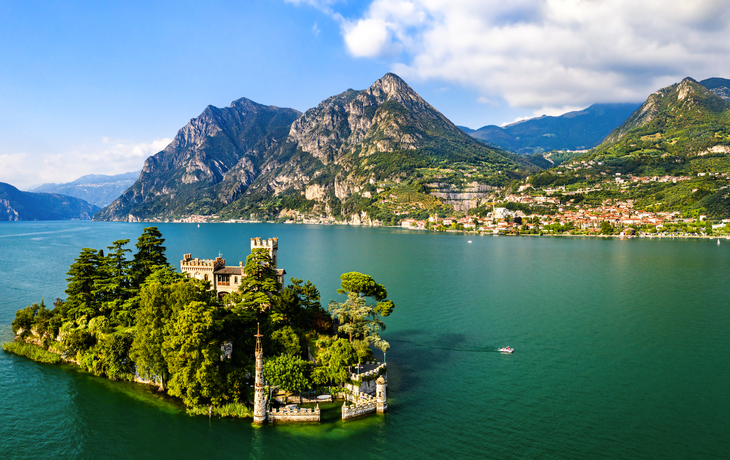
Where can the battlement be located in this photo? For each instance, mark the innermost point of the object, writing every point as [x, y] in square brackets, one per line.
[189, 262]
[360, 406]
[272, 245]
[295, 414]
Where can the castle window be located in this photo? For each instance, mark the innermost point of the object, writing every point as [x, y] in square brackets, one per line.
[205, 277]
[224, 280]
[235, 280]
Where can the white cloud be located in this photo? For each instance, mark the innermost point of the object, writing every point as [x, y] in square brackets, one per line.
[545, 55]
[107, 156]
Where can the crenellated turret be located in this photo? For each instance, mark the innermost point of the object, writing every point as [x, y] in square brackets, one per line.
[272, 245]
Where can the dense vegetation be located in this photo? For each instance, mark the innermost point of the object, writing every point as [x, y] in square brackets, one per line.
[138, 318]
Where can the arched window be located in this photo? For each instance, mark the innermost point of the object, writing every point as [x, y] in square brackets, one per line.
[235, 279]
[205, 277]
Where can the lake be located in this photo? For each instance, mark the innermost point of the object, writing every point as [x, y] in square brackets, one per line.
[621, 349]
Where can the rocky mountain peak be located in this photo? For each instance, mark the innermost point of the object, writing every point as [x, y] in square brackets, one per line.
[340, 122]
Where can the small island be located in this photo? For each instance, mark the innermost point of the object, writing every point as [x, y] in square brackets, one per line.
[230, 341]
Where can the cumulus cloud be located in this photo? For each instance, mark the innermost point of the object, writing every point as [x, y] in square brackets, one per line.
[545, 55]
[107, 156]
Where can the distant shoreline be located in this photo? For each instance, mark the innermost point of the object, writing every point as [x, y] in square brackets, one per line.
[463, 232]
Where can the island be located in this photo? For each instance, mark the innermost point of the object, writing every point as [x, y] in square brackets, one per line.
[229, 341]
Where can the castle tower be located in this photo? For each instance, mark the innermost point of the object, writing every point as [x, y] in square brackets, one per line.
[259, 398]
[272, 244]
[381, 400]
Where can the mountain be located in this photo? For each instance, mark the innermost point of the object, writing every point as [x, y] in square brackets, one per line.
[17, 205]
[681, 128]
[97, 189]
[209, 164]
[255, 160]
[579, 130]
[719, 86]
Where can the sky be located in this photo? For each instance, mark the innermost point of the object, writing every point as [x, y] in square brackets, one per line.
[97, 87]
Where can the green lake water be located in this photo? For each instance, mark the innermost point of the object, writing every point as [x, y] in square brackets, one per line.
[622, 349]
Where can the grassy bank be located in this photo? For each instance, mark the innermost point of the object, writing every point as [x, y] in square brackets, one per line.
[31, 351]
[235, 410]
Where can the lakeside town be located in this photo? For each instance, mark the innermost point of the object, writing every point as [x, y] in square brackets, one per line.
[557, 210]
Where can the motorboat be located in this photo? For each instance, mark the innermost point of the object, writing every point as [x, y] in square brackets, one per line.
[507, 350]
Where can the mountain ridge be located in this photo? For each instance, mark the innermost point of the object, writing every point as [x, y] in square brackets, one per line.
[97, 189]
[576, 130]
[16, 205]
[233, 161]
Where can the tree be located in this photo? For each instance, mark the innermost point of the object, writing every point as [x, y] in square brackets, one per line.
[288, 372]
[153, 315]
[150, 255]
[299, 304]
[110, 357]
[286, 341]
[160, 298]
[335, 356]
[606, 228]
[192, 351]
[260, 286]
[358, 319]
[83, 275]
[114, 285]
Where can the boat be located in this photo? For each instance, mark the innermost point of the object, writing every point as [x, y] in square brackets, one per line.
[718, 241]
[507, 350]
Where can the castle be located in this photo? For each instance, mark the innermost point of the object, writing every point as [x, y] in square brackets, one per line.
[364, 397]
[225, 280]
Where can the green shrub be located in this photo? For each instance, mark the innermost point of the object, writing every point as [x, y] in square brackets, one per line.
[31, 351]
[235, 410]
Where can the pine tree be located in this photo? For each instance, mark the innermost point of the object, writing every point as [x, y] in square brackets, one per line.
[150, 255]
[260, 287]
[114, 285]
[83, 276]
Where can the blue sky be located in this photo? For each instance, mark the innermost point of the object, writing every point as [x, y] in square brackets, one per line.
[96, 87]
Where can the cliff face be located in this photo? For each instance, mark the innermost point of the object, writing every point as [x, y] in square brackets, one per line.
[358, 138]
[234, 160]
[211, 162]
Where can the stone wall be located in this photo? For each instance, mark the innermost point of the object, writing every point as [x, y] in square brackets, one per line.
[360, 406]
[365, 382]
[295, 415]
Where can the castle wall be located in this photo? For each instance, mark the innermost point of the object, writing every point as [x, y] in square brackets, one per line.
[296, 415]
[365, 382]
[363, 405]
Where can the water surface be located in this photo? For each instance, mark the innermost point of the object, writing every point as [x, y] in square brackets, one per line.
[621, 349]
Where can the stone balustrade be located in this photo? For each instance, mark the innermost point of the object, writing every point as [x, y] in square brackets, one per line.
[296, 414]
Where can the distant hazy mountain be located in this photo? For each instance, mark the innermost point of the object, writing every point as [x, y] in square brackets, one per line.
[17, 205]
[580, 130]
[719, 86]
[97, 189]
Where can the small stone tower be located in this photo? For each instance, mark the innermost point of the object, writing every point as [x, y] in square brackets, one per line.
[259, 398]
[381, 400]
[272, 244]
